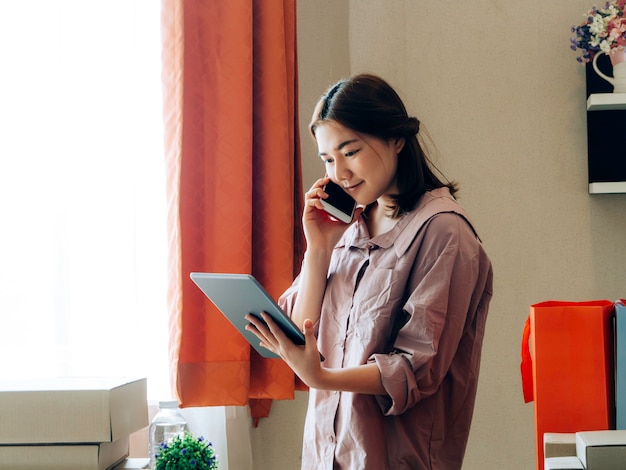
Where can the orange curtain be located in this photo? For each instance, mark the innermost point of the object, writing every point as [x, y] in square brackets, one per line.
[234, 185]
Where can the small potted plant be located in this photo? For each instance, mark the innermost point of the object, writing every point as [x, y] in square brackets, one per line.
[186, 452]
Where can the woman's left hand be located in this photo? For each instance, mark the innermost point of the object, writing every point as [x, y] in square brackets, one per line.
[303, 360]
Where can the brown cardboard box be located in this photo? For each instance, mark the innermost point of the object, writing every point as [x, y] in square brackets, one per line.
[71, 410]
[63, 456]
[559, 444]
[602, 450]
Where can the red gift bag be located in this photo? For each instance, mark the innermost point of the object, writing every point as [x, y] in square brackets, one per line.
[567, 367]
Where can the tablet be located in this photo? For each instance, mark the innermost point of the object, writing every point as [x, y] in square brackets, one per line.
[236, 295]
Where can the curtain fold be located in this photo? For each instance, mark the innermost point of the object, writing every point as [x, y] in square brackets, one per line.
[234, 185]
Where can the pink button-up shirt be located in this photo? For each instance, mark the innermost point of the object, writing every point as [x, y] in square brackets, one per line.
[414, 301]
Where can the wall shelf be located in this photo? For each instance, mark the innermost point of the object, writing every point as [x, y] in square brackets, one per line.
[606, 122]
[608, 187]
[606, 101]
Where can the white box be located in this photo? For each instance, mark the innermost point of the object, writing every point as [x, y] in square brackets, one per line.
[559, 444]
[71, 410]
[63, 456]
[563, 463]
[602, 450]
[133, 464]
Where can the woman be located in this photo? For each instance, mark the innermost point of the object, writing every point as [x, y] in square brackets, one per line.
[396, 301]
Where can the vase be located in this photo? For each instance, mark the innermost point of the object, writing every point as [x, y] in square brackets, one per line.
[618, 61]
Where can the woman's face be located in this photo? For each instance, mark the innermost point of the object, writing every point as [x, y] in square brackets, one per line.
[365, 166]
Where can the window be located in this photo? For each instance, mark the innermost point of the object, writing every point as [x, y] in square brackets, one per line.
[82, 198]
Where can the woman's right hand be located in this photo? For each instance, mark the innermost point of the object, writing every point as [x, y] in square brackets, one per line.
[321, 230]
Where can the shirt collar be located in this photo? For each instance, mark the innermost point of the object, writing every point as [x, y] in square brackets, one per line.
[403, 233]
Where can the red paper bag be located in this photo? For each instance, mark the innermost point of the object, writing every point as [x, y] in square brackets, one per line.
[567, 369]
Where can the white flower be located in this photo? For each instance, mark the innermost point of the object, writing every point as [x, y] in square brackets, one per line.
[605, 46]
[612, 11]
[598, 26]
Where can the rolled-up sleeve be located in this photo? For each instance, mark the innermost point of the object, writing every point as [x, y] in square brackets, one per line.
[287, 300]
[439, 307]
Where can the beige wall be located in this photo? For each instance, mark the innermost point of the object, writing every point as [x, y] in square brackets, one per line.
[503, 98]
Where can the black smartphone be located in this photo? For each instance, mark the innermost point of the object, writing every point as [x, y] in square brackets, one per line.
[339, 203]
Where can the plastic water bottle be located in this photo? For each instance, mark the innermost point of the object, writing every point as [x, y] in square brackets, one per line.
[167, 424]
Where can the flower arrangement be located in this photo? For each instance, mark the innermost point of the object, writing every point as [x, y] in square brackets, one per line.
[604, 30]
[186, 453]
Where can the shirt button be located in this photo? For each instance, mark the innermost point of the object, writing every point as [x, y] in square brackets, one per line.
[331, 439]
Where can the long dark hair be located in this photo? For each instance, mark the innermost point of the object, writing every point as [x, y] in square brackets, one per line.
[368, 104]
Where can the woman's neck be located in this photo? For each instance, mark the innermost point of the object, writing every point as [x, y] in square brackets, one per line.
[377, 220]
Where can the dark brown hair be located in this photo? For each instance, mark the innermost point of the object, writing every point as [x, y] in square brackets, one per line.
[369, 105]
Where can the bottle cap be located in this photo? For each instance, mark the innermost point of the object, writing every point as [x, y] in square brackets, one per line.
[168, 404]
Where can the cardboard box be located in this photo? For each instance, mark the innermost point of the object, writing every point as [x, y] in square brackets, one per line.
[559, 444]
[602, 450]
[63, 456]
[563, 463]
[71, 410]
